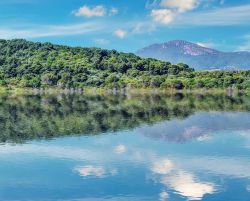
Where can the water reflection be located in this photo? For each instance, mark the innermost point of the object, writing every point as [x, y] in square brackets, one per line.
[30, 117]
[96, 171]
[119, 149]
[197, 127]
[178, 147]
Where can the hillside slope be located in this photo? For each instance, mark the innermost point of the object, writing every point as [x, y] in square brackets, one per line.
[28, 64]
[36, 64]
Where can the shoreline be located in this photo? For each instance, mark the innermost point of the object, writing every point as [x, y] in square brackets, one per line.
[108, 91]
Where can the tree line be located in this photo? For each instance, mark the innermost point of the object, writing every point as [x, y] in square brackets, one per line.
[41, 65]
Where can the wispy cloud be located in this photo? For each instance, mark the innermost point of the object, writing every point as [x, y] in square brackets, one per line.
[50, 30]
[246, 45]
[237, 15]
[143, 27]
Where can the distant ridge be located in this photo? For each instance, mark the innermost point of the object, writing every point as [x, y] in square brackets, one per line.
[196, 56]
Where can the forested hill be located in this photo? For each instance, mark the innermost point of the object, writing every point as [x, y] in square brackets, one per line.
[28, 64]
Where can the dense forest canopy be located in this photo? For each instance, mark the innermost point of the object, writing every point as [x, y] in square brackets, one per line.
[28, 64]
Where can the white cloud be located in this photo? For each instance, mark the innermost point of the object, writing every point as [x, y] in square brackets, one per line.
[50, 30]
[163, 16]
[97, 11]
[120, 149]
[120, 33]
[180, 5]
[170, 9]
[164, 166]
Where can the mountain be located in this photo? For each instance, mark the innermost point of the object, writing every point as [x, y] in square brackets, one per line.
[196, 56]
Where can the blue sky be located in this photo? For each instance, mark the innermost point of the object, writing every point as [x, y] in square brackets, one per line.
[128, 25]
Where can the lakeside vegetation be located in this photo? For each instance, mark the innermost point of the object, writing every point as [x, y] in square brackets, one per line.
[32, 117]
[36, 65]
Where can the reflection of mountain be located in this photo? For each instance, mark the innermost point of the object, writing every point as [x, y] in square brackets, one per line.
[197, 126]
[37, 117]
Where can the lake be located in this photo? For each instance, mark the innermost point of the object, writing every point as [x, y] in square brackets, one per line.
[79, 147]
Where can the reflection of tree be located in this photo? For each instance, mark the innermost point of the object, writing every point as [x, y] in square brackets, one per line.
[36, 117]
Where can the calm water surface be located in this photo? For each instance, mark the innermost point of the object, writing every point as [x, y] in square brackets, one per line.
[169, 147]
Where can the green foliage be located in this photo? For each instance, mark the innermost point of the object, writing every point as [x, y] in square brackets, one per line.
[28, 64]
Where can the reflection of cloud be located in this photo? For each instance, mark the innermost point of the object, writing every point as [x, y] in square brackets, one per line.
[185, 184]
[204, 138]
[97, 171]
[234, 167]
[170, 133]
[248, 188]
[162, 167]
[163, 196]
[182, 182]
[90, 171]
[65, 152]
[120, 149]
